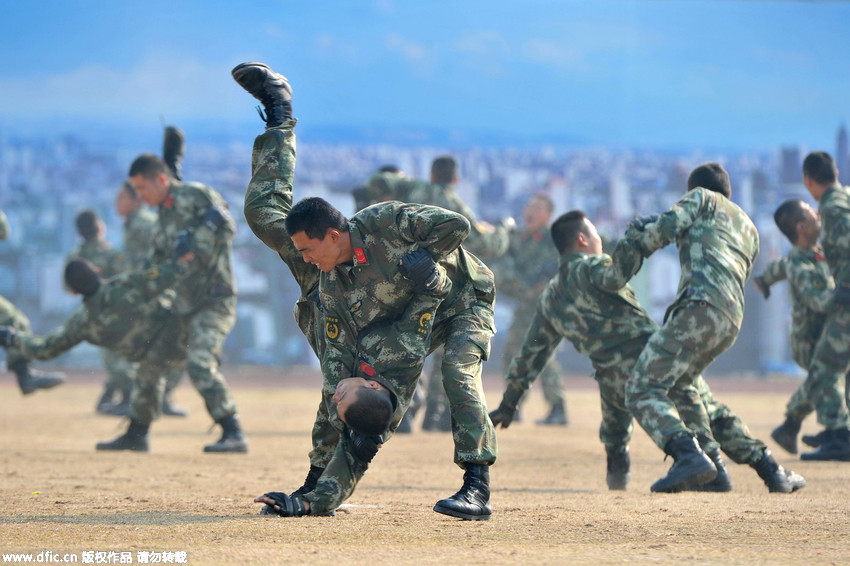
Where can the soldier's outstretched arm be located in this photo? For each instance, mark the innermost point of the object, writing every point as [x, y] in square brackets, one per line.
[656, 234]
[614, 272]
[58, 341]
[438, 230]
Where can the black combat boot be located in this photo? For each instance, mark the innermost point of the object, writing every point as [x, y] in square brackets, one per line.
[472, 502]
[437, 418]
[270, 88]
[776, 478]
[619, 464]
[135, 439]
[557, 416]
[721, 482]
[815, 440]
[232, 438]
[690, 467]
[30, 380]
[835, 446]
[172, 150]
[785, 435]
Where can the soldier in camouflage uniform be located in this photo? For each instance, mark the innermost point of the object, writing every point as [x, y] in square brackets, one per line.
[811, 286]
[368, 320]
[830, 361]
[132, 314]
[590, 304]
[29, 380]
[531, 260]
[96, 249]
[139, 228]
[718, 245]
[193, 221]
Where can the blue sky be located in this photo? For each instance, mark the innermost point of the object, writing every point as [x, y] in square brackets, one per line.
[638, 73]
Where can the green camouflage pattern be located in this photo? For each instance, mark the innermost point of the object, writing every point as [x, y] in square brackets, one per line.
[521, 274]
[718, 244]
[830, 363]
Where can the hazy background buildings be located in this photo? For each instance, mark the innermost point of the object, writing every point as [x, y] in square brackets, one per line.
[605, 105]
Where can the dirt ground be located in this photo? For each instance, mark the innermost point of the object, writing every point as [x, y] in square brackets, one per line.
[550, 502]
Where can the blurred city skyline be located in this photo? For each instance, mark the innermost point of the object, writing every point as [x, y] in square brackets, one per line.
[662, 75]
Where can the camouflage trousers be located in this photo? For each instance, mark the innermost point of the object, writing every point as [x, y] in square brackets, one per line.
[674, 357]
[800, 405]
[466, 338]
[119, 372]
[11, 316]
[550, 376]
[195, 340]
[825, 385]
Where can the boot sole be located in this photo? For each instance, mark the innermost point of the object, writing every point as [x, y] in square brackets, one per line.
[460, 514]
[685, 484]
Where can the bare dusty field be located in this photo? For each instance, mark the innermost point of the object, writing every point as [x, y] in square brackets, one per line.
[61, 499]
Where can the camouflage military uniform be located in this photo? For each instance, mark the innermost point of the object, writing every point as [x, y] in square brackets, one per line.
[718, 244]
[522, 273]
[590, 304]
[119, 372]
[152, 335]
[139, 228]
[811, 286]
[206, 294]
[366, 313]
[831, 357]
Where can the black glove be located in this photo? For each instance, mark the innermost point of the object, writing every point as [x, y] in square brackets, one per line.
[290, 506]
[504, 415]
[7, 336]
[213, 219]
[762, 286]
[365, 445]
[183, 245]
[419, 268]
[842, 294]
[640, 222]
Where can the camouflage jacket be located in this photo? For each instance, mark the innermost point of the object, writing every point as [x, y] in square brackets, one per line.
[139, 228]
[718, 244]
[483, 241]
[101, 253]
[811, 286]
[370, 296]
[210, 275]
[4, 226]
[125, 315]
[834, 211]
[531, 260]
[590, 303]
[268, 201]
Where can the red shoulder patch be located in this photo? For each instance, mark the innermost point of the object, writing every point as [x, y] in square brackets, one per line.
[360, 255]
[169, 201]
[367, 369]
[819, 256]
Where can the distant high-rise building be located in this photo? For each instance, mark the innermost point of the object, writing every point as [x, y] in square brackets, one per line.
[842, 156]
[791, 167]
